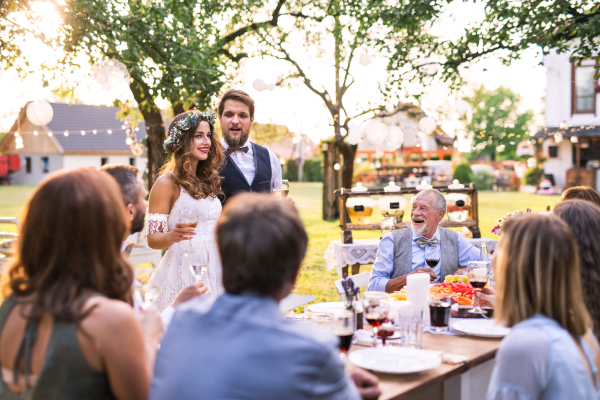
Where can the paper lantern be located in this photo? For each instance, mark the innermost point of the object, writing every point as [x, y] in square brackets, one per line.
[39, 113]
[427, 125]
[112, 76]
[259, 85]
[365, 59]
[270, 86]
[355, 134]
[462, 107]
[376, 131]
[395, 138]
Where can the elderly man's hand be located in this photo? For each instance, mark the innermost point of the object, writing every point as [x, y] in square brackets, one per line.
[367, 384]
[188, 293]
[289, 199]
[423, 270]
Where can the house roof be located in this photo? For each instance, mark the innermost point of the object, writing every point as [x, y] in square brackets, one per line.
[579, 131]
[75, 118]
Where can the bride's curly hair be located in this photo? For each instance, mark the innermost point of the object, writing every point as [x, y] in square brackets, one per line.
[205, 181]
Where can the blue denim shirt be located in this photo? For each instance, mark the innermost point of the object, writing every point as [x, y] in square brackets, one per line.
[540, 360]
[241, 347]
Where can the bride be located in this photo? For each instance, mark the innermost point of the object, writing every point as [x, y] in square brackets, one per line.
[189, 181]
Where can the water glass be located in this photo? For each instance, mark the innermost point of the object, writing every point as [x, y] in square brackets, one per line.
[281, 188]
[143, 290]
[411, 325]
[197, 261]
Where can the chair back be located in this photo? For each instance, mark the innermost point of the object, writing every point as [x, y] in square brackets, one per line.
[292, 301]
[360, 280]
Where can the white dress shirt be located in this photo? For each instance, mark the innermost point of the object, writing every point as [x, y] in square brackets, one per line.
[245, 162]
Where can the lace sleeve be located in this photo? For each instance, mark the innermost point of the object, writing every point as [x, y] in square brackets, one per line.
[158, 223]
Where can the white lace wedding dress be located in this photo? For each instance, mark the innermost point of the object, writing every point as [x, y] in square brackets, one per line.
[173, 273]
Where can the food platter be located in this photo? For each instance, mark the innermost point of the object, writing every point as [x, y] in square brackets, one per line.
[395, 360]
[327, 307]
[481, 327]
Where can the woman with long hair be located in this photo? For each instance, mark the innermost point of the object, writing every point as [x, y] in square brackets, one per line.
[583, 217]
[188, 182]
[68, 330]
[550, 352]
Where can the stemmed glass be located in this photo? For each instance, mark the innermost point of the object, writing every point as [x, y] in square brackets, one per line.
[432, 255]
[144, 291]
[197, 260]
[342, 325]
[189, 217]
[478, 273]
[281, 188]
[376, 309]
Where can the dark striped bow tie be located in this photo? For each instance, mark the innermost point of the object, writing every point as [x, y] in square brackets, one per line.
[231, 150]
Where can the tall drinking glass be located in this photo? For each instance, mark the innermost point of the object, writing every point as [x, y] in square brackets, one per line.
[190, 218]
[144, 291]
[197, 260]
[342, 325]
[432, 256]
[281, 188]
[478, 273]
[376, 309]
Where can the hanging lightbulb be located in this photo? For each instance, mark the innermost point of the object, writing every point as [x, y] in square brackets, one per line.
[94, 131]
[49, 134]
[16, 134]
[574, 139]
[109, 131]
[35, 133]
[358, 160]
[82, 133]
[66, 133]
[19, 142]
[558, 137]
[282, 161]
[563, 125]
[336, 166]
[128, 141]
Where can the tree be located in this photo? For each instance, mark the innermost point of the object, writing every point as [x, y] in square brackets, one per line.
[337, 31]
[497, 125]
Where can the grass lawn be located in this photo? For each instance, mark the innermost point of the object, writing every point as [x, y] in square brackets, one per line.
[313, 278]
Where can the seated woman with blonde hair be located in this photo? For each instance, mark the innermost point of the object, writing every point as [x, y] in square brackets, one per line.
[550, 352]
[67, 327]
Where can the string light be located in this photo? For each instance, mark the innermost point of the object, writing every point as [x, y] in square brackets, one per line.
[94, 131]
[35, 133]
[66, 133]
[49, 134]
[82, 133]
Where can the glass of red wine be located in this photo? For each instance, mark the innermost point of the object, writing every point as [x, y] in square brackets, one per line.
[342, 325]
[376, 309]
[432, 256]
[478, 273]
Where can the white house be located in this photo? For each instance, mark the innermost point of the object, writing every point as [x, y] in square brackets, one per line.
[571, 139]
[77, 136]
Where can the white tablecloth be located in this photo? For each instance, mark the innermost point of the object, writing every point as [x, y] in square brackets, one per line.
[364, 251]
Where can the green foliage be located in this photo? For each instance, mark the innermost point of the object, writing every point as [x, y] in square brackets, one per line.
[269, 133]
[291, 171]
[312, 171]
[529, 177]
[483, 180]
[463, 173]
[496, 121]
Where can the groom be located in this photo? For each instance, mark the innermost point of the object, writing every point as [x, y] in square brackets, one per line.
[248, 167]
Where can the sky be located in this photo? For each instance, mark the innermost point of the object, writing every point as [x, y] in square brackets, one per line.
[296, 106]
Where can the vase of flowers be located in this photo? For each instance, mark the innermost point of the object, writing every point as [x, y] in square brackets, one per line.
[349, 299]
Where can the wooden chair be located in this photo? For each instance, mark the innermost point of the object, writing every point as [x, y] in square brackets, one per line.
[292, 301]
[361, 280]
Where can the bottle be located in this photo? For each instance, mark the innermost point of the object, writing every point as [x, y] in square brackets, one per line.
[484, 256]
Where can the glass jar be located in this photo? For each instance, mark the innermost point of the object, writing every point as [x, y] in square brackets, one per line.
[458, 205]
[392, 203]
[360, 208]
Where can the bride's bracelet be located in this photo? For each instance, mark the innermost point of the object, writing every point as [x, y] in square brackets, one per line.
[158, 223]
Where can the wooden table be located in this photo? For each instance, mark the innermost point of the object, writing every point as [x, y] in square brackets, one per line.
[465, 381]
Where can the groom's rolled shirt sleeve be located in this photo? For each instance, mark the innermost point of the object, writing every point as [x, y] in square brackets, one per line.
[276, 173]
[383, 265]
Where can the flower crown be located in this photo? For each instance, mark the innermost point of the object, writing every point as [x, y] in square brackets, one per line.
[192, 119]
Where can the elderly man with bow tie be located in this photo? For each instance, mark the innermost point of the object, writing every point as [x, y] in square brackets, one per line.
[402, 252]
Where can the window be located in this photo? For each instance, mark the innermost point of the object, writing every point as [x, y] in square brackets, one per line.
[553, 151]
[45, 165]
[583, 87]
[103, 161]
[132, 161]
[28, 165]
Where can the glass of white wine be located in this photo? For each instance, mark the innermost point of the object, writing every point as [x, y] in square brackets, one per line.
[197, 260]
[281, 188]
[190, 218]
[144, 290]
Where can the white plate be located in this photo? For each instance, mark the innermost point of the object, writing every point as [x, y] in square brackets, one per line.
[395, 360]
[481, 327]
[330, 307]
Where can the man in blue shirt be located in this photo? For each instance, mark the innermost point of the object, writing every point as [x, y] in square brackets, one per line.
[240, 346]
[402, 252]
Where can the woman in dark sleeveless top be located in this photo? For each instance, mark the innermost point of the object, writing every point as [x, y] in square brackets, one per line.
[67, 329]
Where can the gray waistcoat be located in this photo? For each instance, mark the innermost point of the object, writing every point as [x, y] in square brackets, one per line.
[403, 252]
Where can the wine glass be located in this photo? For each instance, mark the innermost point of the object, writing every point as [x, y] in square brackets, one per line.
[190, 218]
[376, 309]
[432, 255]
[342, 325]
[281, 188]
[478, 273]
[144, 290]
[197, 260]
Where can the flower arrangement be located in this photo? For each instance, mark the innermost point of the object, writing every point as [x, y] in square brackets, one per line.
[192, 119]
[498, 228]
[350, 292]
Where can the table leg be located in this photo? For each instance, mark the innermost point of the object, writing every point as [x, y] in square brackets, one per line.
[355, 269]
[344, 271]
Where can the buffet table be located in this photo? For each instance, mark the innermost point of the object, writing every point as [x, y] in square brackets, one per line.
[339, 255]
[464, 381]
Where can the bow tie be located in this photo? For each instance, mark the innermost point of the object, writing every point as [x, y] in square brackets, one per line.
[231, 150]
[422, 242]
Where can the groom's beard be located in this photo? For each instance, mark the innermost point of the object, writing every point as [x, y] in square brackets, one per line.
[235, 142]
[419, 231]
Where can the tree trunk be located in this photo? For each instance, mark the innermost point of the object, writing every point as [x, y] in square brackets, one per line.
[348, 152]
[330, 209]
[155, 127]
[177, 108]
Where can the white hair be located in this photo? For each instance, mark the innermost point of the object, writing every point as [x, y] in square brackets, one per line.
[439, 201]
